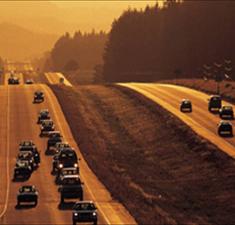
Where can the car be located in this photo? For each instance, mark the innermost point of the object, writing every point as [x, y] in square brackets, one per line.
[54, 138]
[31, 147]
[66, 158]
[43, 115]
[71, 188]
[13, 80]
[46, 127]
[73, 171]
[186, 105]
[84, 211]
[29, 81]
[226, 112]
[214, 103]
[22, 169]
[56, 147]
[38, 97]
[225, 128]
[27, 194]
[27, 156]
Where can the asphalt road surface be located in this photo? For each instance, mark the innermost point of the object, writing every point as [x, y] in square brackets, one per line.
[200, 120]
[17, 123]
[54, 78]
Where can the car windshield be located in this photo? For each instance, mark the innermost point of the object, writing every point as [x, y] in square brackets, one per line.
[70, 155]
[227, 108]
[27, 189]
[85, 206]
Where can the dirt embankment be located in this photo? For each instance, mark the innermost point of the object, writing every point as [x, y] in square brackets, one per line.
[208, 86]
[149, 160]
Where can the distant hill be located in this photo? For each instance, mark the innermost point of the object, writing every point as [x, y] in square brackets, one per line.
[18, 43]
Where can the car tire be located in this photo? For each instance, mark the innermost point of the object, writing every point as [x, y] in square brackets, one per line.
[35, 203]
[95, 222]
[74, 222]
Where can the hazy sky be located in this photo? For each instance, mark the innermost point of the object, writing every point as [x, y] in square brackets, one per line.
[61, 16]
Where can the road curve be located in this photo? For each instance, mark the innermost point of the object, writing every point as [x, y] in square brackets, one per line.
[200, 120]
[17, 123]
[54, 78]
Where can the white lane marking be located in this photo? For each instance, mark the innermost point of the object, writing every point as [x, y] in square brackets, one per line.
[57, 118]
[8, 151]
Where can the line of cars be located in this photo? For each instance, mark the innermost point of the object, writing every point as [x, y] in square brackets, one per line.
[14, 80]
[226, 113]
[27, 161]
[65, 168]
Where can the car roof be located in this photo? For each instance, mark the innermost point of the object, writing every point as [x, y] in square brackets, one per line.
[215, 96]
[27, 143]
[225, 123]
[227, 107]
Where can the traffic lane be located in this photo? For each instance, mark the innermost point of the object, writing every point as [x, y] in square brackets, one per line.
[47, 211]
[3, 147]
[207, 128]
[22, 127]
[199, 113]
[54, 78]
[200, 106]
[19, 75]
[110, 211]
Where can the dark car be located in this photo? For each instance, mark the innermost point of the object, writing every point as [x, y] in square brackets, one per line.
[66, 158]
[73, 171]
[214, 103]
[43, 115]
[226, 112]
[186, 106]
[22, 169]
[13, 80]
[27, 194]
[84, 211]
[54, 138]
[31, 147]
[225, 128]
[71, 188]
[29, 81]
[38, 96]
[27, 156]
[46, 127]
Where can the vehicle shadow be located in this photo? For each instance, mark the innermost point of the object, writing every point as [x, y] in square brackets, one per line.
[22, 179]
[66, 205]
[24, 207]
[49, 152]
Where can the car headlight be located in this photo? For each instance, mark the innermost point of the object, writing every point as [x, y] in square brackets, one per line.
[75, 165]
[75, 214]
[60, 165]
[94, 213]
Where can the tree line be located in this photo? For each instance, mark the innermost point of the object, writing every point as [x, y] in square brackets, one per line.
[80, 51]
[170, 42]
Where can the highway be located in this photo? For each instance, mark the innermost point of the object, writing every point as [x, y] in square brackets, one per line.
[18, 122]
[54, 78]
[200, 120]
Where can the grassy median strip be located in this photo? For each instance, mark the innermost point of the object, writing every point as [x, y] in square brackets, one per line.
[149, 160]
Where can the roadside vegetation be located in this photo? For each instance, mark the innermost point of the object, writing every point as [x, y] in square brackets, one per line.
[148, 159]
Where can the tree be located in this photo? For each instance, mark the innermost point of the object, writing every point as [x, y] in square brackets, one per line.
[71, 65]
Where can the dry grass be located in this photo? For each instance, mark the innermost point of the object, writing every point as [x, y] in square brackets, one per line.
[149, 160]
[209, 86]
